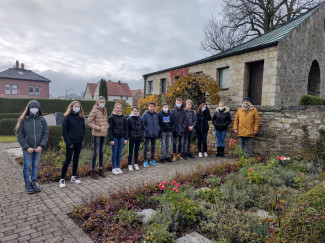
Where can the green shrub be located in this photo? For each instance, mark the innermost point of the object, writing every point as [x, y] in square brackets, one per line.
[213, 181]
[311, 100]
[305, 220]
[128, 218]
[157, 231]
[7, 126]
[9, 115]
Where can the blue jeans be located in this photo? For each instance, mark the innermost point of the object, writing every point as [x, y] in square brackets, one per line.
[221, 135]
[180, 143]
[165, 144]
[99, 145]
[30, 160]
[249, 141]
[188, 136]
[134, 144]
[117, 152]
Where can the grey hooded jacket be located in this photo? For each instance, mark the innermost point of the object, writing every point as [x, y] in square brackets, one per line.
[33, 132]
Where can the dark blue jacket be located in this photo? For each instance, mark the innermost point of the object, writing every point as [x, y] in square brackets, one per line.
[180, 121]
[166, 121]
[151, 124]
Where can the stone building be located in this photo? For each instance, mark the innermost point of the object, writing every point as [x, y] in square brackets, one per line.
[274, 69]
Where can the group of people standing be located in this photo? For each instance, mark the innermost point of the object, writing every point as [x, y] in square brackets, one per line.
[179, 123]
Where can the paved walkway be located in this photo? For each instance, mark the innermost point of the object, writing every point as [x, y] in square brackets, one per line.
[42, 217]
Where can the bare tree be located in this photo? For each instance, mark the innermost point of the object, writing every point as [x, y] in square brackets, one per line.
[245, 19]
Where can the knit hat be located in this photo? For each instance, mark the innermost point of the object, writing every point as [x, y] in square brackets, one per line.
[248, 99]
[34, 103]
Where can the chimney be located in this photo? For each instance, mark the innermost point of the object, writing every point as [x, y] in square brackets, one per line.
[17, 64]
[119, 82]
[22, 66]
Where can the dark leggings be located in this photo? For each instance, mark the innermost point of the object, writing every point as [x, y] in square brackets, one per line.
[202, 138]
[75, 150]
[99, 145]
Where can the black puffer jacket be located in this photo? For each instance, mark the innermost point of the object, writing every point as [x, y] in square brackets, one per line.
[221, 119]
[166, 121]
[73, 129]
[190, 119]
[202, 121]
[136, 129]
[33, 132]
[118, 127]
[180, 121]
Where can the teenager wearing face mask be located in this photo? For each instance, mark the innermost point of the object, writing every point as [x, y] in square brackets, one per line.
[118, 136]
[73, 131]
[202, 128]
[221, 120]
[180, 125]
[97, 121]
[136, 131]
[167, 127]
[32, 134]
[190, 116]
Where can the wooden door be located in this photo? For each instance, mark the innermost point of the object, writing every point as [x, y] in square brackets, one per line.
[255, 82]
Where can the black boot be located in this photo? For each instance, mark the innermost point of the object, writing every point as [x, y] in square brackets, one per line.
[190, 155]
[218, 151]
[184, 155]
[222, 151]
[28, 188]
[35, 187]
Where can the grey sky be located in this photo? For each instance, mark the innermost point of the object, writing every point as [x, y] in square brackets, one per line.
[74, 42]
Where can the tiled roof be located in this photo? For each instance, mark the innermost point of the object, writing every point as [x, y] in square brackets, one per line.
[118, 89]
[92, 88]
[269, 39]
[136, 91]
[22, 74]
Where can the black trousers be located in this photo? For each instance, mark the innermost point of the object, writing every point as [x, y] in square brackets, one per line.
[202, 138]
[75, 150]
[153, 148]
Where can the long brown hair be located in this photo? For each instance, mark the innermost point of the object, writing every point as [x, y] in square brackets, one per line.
[97, 103]
[25, 113]
[69, 109]
[199, 110]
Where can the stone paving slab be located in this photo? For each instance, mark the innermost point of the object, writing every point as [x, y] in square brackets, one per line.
[42, 217]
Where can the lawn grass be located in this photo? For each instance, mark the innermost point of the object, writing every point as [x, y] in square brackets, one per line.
[8, 139]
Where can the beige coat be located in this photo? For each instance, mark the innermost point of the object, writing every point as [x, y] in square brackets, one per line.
[97, 121]
[247, 122]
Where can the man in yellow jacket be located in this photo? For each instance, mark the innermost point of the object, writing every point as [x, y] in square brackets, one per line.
[246, 124]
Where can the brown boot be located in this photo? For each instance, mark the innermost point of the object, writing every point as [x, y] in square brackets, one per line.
[179, 155]
[174, 157]
[101, 173]
[94, 174]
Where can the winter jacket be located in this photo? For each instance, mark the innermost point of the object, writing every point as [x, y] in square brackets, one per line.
[135, 126]
[202, 121]
[247, 122]
[73, 129]
[97, 121]
[221, 119]
[118, 127]
[180, 121]
[166, 121]
[151, 124]
[190, 116]
[33, 132]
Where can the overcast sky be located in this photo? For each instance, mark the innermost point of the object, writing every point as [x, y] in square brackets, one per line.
[72, 42]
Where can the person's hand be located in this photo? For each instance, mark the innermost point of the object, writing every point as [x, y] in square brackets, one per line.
[190, 128]
[30, 150]
[71, 146]
[236, 131]
[255, 132]
[112, 143]
[98, 128]
[39, 149]
[125, 141]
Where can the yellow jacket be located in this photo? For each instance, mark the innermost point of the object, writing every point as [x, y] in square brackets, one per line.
[247, 122]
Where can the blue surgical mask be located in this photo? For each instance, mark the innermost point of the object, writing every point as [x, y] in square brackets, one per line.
[203, 108]
[178, 105]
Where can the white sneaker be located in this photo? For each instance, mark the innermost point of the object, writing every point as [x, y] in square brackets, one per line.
[119, 171]
[200, 155]
[75, 180]
[62, 183]
[136, 167]
[130, 168]
[205, 154]
[115, 171]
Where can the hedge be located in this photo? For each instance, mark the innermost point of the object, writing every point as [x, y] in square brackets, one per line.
[311, 100]
[17, 105]
[7, 126]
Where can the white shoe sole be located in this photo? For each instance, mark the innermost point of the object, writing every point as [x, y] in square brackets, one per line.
[63, 186]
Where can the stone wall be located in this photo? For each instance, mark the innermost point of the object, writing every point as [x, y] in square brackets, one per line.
[281, 129]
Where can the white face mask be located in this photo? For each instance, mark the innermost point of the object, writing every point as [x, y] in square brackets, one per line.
[102, 105]
[76, 109]
[221, 108]
[33, 110]
[165, 109]
[178, 105]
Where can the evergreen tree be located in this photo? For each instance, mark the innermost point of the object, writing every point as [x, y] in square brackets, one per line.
[103, 88]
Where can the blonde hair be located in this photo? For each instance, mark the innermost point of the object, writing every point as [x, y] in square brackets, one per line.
[69, 109]
[221, 102]
[23, 116]
[97, 103]
[116, 105]
[189, 101]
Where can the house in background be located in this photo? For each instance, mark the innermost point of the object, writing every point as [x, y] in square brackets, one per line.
[19, 82]
[90, 91]
[275, 69]
[137, 95]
